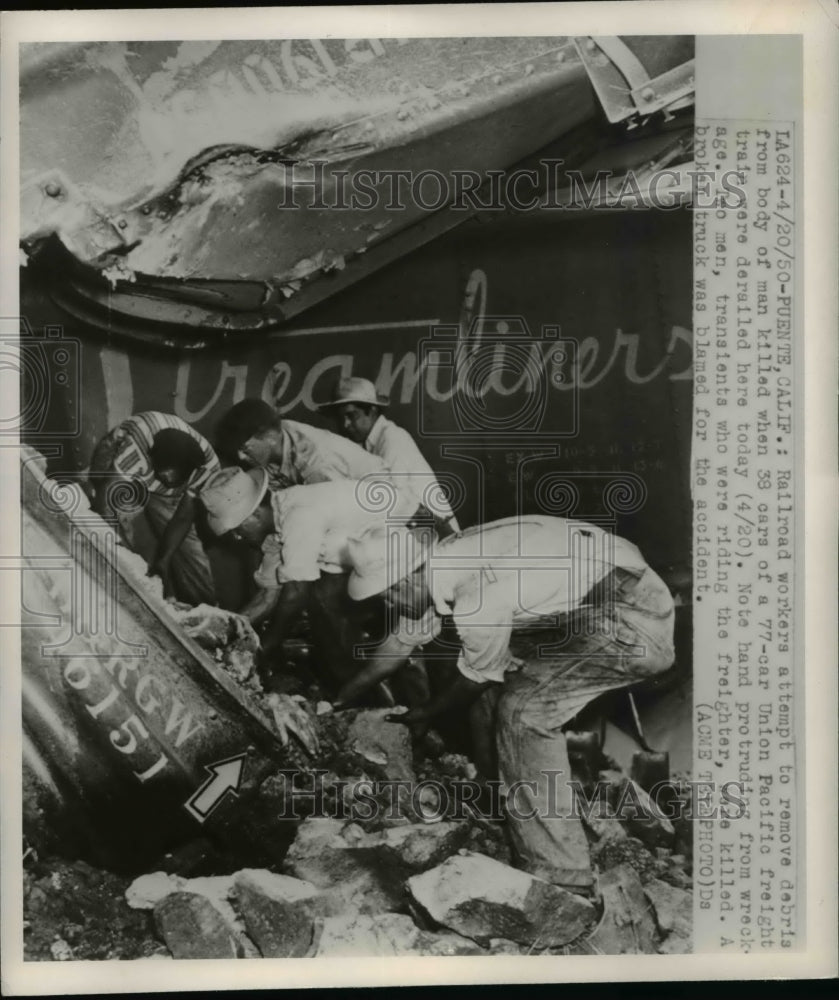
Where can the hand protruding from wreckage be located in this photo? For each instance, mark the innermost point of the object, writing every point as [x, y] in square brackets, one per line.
[291, 717]
[417, 719]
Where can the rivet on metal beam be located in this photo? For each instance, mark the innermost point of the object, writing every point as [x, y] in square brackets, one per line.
[528, 69]
[53, 189]
[402, 114]
[146, 209]
[123, 224]
[647, 94]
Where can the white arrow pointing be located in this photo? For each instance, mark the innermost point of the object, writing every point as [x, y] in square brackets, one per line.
[225, 776]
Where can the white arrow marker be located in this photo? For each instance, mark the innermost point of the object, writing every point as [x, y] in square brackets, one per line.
[225, 776]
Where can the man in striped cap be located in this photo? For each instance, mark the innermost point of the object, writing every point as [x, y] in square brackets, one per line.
[164, 464]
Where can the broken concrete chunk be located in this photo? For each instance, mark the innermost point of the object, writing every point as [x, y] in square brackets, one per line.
[279, 911]
[380, 747]
[368, 870]
[357, 880]
[61, 951]
[627, 926]
[673, 907]
[217, 888]
[484, 899]
[147, 891]
[319, 853]
[384, 935]
[193, 927]
[352, 934]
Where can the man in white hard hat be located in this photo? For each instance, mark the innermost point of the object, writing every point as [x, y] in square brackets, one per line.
[303, 533]
[556, 611]
[358, 410]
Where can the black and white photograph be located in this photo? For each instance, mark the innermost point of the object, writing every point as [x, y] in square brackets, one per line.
[408, 496]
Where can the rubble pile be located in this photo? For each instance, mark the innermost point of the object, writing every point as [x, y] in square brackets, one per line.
[381, 882]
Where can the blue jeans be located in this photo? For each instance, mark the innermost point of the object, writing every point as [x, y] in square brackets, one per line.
[621, 635]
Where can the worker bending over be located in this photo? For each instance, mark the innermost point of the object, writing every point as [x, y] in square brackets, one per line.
[556, 611]
[303, 533]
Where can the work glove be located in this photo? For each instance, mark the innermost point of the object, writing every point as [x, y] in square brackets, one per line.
[291, 717]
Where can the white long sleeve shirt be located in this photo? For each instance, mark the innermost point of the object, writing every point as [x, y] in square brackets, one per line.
[408, 467]
[313, 524]
[314, 455]
[505, 574]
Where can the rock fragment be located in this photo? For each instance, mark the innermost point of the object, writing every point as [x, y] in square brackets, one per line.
[61, 951]
[279, 912]
[193, 927]
[484, 899]
[368, 870]
[673, 909]
[322, 856]
[627, 926]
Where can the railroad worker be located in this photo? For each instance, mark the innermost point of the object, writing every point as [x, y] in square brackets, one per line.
[358, 410]
[292, 453]
[557, 612]
[168, 463]
[303, 533]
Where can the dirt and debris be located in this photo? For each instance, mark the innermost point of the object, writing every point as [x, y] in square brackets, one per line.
[382, 882]
[74, 912]
[227, 636]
